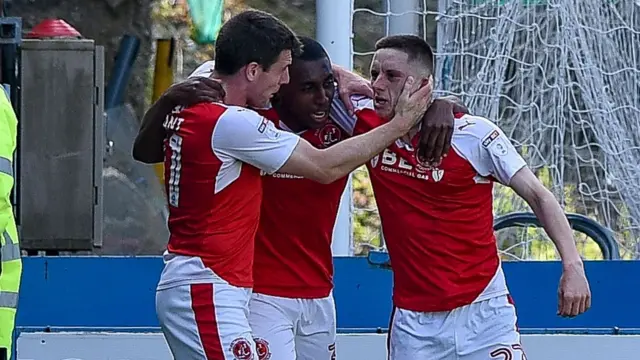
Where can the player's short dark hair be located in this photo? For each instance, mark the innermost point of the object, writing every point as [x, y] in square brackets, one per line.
[311, 50]
[252, 36]
[414, 46]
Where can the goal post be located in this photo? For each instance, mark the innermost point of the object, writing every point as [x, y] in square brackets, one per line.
[333, 31]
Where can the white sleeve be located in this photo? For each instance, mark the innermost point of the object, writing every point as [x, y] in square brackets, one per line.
[244, 135]
[204, 70]
[487, 148]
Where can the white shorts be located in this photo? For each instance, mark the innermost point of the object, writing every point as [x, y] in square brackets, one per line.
[207, 321]
[293, 329]
[480, 331]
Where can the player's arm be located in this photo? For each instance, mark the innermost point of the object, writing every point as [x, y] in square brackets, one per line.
[147, 147]
[242, 134]
[574, 293]
[496, 156]
[550, 213]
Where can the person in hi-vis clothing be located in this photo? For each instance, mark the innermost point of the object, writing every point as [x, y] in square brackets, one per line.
[10, 262]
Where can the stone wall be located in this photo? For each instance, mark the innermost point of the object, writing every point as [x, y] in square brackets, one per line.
[104, 21]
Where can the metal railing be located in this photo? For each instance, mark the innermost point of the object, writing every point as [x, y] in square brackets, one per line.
[601, 235]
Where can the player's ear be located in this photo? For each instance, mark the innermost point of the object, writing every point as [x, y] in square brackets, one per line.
[425, 80]
[251, 71]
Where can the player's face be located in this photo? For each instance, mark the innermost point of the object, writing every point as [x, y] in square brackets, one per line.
[307, 97]
[264, 84]
[389, 70]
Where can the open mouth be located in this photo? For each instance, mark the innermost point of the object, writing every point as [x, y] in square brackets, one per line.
[380, 102]
[319, 115]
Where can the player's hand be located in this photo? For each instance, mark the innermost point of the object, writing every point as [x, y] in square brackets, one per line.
[574, 295]
[194, 91]
[412, 103]
[437, 130]
[350, 84]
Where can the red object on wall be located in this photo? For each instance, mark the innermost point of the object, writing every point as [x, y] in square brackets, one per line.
[53, 28]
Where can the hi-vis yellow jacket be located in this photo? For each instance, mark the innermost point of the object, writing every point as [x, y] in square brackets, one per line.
[11, 271]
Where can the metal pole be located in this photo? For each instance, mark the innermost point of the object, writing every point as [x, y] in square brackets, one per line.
[440, 75]
[408, 23]
[334, 32]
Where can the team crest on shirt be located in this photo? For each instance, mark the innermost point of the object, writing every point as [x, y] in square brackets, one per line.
[241, 349]
[437, 174]
[329, 135]
[262, 346]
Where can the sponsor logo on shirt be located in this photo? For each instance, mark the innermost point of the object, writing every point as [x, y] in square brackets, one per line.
[490, 138]
[263, 125]
[495, 144]
[286, 176]
[392, 163]
[466, 124]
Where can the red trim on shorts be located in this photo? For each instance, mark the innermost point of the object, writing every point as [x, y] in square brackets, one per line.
[205, 314]
[393, 313]
[510, 301]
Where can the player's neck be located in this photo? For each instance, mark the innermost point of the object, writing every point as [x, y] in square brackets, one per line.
[288, 120]
[235, 89]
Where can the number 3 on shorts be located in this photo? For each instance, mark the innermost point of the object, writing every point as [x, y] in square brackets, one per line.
[506, 353]
[175, 144]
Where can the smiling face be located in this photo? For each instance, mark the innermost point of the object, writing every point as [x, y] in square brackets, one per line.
[306, 99]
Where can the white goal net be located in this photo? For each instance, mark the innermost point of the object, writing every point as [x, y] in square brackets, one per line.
[561, 77]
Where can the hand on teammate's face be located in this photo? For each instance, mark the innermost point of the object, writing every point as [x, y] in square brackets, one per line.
[412, 103]
[194, 91]
[437, 130]
[574, 295]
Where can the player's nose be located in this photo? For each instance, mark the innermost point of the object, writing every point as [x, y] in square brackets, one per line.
[321, 98]
[379, 84]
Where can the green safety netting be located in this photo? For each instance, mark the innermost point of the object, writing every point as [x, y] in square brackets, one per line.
[207, 19]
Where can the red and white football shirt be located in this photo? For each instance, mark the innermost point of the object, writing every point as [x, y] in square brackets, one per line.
[213, 159]
[293, 245]
[438, 221]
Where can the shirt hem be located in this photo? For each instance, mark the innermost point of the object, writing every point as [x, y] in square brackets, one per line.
[307, 293]
[424, 309]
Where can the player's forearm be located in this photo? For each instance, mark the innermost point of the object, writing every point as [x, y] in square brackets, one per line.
[147, 147]
[555, 223]
[344, 157]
